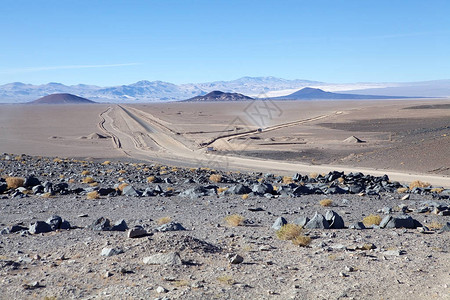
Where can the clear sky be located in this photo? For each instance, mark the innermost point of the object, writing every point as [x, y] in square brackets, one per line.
[119, 42]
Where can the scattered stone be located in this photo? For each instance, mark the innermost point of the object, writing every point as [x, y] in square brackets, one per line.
[401, 221]
[101, 224]
[130, 191]
[136, 232]
[111, 251]
[301, 221]
[39, 227]
[357, 225]
[161, 290]
[234, 258]
[171, 259]
[334, 220]
[33, 285]
[171, 226]
[279, 222]
[120, 225]
[317, 222]
[394, 252]
[406, 197]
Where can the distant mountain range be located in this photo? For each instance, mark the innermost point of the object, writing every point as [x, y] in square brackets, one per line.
[147, 91]
[219, 96]
[61, 99]
[312, 94]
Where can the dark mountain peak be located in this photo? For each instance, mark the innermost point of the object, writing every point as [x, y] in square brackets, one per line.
[62, 98]
[220, 96]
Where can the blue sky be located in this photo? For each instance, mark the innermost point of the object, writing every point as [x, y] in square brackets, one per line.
[120, 42]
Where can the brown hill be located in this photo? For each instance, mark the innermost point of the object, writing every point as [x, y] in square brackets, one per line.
[221, 96]
[62, 99]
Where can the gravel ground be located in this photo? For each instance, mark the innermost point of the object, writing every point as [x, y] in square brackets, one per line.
[338, 264]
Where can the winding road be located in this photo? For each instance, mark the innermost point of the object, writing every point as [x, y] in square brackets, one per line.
[142, 136]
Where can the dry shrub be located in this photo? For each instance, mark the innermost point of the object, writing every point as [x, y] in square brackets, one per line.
[326, 202]
[419, 184]
[301, 240]
[170, 189]
[215, 178]
[86, 172]
[275, 188]
[435, 226]
[164, 172]
[57, 160]
[289, 232]
[121, 179]
[93, 195]
[221, 189]
[88, 180]
[341, 180]
[245, 197]
[193, 169]
[46, 195]
[106, 162]
[151, 179]
[93, 184]
[437, 190]
[71, 180]
[121, 171]
[372, 220]
[145, 169]
[226, 279]
[61, 176]
[402, 190]
[287, 179]
[14, 182]
[174, 170]
[234, 220]
[164, 220]
[260, 180]
[313, 175]
[122, 186]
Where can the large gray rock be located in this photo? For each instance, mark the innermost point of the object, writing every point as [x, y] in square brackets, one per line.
[137, 231]
[279, 222]
[39, 227]
[170, 259]
[120, 225]
[238, 189]
[334, 220]
[401, 221]
[31, 181]
[56, 222]
[262, 188]
[101, 224]
[301, 221]
[317, 222]
[130, 191]
[111, 251]
[172, 226]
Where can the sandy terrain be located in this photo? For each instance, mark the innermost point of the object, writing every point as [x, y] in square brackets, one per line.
[301, 136]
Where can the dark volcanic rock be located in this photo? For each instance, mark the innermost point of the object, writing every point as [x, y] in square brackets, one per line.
[39, 227]
[317, 222]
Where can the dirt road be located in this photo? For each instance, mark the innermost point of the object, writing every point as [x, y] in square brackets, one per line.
[144, 137]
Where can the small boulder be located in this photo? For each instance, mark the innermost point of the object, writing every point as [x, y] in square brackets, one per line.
[301, 221]
[111, 251]
[334, 220]
[279, 222]
[101, 224]
[137, 231]
[317, 222]
[234, 259]
[39, 227]
[171, 259]
[120, 225]
[171, 226]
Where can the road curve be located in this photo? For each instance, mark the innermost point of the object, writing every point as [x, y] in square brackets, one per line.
[173, 150]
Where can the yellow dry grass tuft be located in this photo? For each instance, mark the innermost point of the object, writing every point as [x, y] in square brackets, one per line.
[151, 179]
[435, 225]
[121, 171]
[71, 180]
[87, 180]
[93, 195]
[326, 202]
[221, 189]
[289, 232]
[93, 184]
[163, 220]
[301, 240]
[372, 220]
[226, 279]
[287, 180]
[57, 160]
[245, 197]
[14, 182]
[234, 220]
[313, 175]
[418, 183]
[46, 195]
[86, 172]
[122, 186]
[106, 162]
[121, 179]
[402, 190]
[341, 180]
[437, 190]
[215, 178]
[260, 180]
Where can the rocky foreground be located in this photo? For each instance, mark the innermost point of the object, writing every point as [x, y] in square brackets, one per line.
[121, 230]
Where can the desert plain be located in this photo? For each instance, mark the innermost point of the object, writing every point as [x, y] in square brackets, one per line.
[213, 148]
